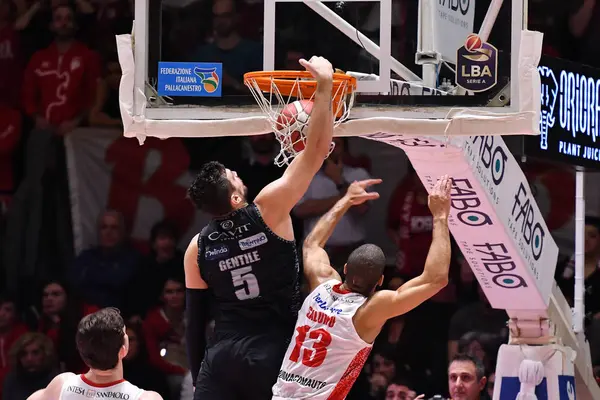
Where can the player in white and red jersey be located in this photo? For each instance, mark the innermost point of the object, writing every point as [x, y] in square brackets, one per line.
[339, 321]
[102, 343]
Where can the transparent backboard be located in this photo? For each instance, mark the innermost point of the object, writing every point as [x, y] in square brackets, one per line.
[412, 59]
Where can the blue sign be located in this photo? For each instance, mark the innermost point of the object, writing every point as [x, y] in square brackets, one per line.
[510, 387]
[570, 117]
[189, 79]
[566, 387]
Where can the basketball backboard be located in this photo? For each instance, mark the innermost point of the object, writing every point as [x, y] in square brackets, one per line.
[404, 53]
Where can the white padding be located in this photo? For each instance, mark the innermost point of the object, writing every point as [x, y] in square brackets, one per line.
[535, 372]
[459, 122]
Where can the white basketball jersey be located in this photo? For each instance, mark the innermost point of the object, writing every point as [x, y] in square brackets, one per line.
[326, 354]
[78, 387]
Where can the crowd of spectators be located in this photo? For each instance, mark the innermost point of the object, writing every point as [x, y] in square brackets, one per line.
[60, 71]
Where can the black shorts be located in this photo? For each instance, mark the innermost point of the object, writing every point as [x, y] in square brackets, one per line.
[239, 368]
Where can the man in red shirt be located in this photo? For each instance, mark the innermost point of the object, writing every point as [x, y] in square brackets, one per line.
[60, 81]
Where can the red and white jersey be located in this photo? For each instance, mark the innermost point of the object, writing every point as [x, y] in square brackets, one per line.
[78, 387]
[326, 354]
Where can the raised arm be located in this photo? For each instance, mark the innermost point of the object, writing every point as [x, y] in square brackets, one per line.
[386, 304]
[316, 262]
[278, 198]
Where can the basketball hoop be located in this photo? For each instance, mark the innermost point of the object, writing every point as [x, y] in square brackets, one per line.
[286, 98]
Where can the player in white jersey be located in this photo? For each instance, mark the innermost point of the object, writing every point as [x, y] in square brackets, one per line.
[102, 344]
[339, 320]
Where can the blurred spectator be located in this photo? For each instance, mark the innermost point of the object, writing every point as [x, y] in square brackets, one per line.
[466, 378]
[164, 333]
[409, 224]
[258, 168]
[565, 274]
[478, 317]
[565, 277]
[491, 380]
[165, 260]
[58, 89]
[238, 55]
[586, 31]
[377, 387]
[112, 17]
[33, 366]
[60, 315]
[483, 346]
[10, 330]
[324, 191]
[60, 81]
[136, 368]
[105, 111]
[399, 390]
[10, 56]
[103, 273]
[10, 133]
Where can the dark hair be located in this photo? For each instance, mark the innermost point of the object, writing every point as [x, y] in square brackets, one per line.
[68, 5]
[211, 190]
[163, 228]
[99, 338]
[400, 381]
[8, 298]
[462, 357]
[364, 268]
[593, 221]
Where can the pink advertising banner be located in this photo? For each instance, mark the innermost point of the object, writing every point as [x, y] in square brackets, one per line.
[493, 216]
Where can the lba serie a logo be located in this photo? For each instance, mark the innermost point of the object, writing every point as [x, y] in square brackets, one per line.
[476, 65]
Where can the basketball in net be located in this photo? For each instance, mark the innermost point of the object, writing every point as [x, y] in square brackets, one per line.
[294, 120]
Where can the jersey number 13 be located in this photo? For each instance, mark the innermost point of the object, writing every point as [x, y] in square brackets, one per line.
[311, 357]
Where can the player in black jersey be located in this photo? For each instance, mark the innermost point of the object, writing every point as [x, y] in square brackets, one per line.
[246, 259]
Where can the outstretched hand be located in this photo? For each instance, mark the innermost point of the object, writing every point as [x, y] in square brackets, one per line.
[357, 193]
[319, 67]
[439, 198]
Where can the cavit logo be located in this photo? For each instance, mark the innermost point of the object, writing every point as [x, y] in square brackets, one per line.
[227, 225]
[231, 233]
[253, 241]
[549, 95]
[216, 252]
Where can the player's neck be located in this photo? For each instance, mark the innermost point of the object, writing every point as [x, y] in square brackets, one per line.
[104, 377]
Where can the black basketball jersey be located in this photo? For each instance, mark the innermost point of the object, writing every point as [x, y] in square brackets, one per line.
[253, 274]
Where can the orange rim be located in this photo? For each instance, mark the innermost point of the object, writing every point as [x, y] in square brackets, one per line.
[288, 84]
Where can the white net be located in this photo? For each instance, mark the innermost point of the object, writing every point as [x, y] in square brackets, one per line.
[287, 103]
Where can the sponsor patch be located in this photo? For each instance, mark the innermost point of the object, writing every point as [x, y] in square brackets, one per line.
[253, 241]
[216, 252]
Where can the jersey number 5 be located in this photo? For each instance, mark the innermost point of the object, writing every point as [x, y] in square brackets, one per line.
[311, 357]
[246, 281]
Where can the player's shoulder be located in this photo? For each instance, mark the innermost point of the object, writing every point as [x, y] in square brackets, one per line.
[54, 388]
[149, 395]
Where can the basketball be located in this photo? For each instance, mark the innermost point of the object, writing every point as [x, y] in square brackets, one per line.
[473, 42]
[295, 116]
